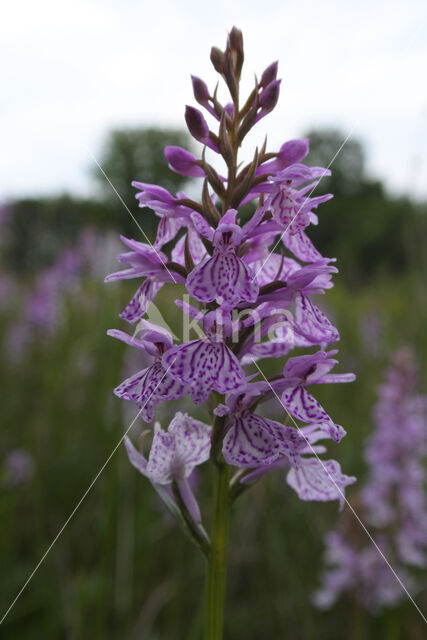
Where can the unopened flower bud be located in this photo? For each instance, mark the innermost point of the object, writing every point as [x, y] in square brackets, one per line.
[197, 125]
[270, 95]
[235, 50]
[269, 74]
[183, 162]
[200, 90]
[235, 39]
[218, 60]
[292, 151]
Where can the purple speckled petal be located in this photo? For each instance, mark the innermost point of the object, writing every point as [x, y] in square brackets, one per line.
[320, 480]
[301, 246]
[167, 230]
[229, 375]
[273, 266]
[250, 441]
[253, 441]
[312, 322]
[195, 245]
[204, 366]
[319, 431]
[224, 278]
[162, 452]
[302, 405]
[150, 386]
[140, 302]
[192, 440]
[202, 226]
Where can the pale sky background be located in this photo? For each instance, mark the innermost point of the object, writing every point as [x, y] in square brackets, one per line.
[70, 71]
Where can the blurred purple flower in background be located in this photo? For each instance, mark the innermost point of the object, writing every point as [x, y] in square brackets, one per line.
[41, 313]
[392, 502]
[18, 467]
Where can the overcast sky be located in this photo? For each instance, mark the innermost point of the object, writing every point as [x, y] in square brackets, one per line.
[70, 71]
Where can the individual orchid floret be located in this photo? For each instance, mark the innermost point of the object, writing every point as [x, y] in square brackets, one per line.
[302, 371]
[312, 478]
[147, 262]
[310, 322]
[174, 455]
[289, 153]
[206, 364]
[252, 440]
[144, 260]
[155, 383]
[224, 276]
[290, 206]
[172, 212]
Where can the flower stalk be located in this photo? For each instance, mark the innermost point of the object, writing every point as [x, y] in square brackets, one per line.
[216, 563]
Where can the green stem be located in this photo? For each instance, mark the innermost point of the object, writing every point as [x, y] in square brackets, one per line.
[216, 565]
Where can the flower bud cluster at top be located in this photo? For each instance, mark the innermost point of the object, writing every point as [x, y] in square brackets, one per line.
[235, 272]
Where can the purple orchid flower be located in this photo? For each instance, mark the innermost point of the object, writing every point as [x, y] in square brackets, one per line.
[206, 364]
[172, 213]
[174, 455]
[155, 383]
[302, 371]
[143, 261]
[289, 153]
[291, 207]
[224, 276]
[252, 440]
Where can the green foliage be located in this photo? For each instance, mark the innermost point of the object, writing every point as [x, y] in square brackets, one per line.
[38, 228]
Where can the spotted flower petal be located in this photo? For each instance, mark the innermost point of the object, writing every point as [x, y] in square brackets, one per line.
[224, 278]
[192, 441]
[301, 246]
[312, 323]
[150, 386]
[140, 302]
[253, 441]
[204, 365]
[321, 480]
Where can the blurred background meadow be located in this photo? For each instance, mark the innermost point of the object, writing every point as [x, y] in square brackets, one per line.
[121, 568]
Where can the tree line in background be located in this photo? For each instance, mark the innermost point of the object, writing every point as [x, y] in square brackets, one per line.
[367, 229]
